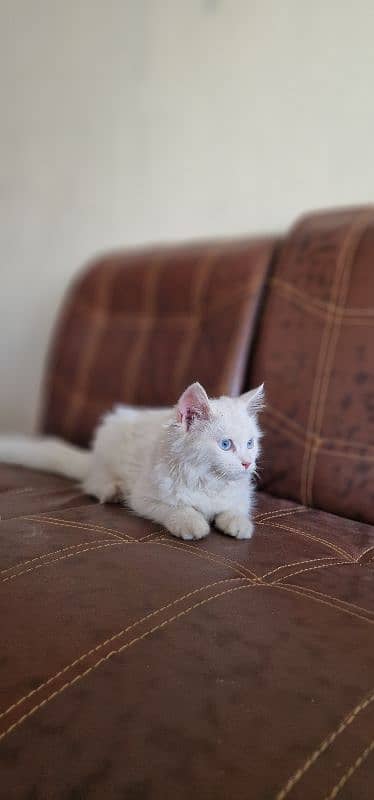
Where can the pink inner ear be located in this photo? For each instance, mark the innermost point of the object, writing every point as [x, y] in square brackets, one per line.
[187, 417]
[193, 404]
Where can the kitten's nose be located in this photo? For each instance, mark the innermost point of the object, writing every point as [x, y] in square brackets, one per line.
[246, 464]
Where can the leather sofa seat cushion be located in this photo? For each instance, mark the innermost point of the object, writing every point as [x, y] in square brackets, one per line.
[134, 665]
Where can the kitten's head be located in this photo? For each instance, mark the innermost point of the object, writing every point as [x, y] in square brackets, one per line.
[222, 434]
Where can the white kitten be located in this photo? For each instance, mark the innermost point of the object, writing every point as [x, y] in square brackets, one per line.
[183, 467]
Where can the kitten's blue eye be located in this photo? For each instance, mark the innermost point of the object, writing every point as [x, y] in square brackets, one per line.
[225, 444]
[250, 443]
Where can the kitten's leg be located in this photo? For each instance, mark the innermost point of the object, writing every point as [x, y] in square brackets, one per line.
[183, 521]
[99, 483]
[234, 524]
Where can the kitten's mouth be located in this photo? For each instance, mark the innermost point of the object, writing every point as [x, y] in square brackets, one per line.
[247, 470]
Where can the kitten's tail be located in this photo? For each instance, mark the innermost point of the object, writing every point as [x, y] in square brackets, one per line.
[46, 454]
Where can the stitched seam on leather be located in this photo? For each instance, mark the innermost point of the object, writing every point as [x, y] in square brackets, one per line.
[70, 524]
[78, 525]
[365, 552]
[218, 561]
[330, 357]
[347, 720]
[362, 314]
[86, 362]
[51, 553]
[318, 442]
[301, 433]
[12, 517]
[322, 308]
[115, 652]
[305, 594]
[323, 305]
[184, 357]
[125, 646]
[306, 535]
[137, 317]
[125, 537]
[353, 606]
[109, 655]
[152, 535]
[62, 558]
[201, 554]
[316, 390]
[75, 524]
[318, 377]
[178, 318]
[327, 353]
[74, 393]
[297, 563]
[224, 559]
[131, 373]
[95, 527]
[285, 430]
[204, 555]
[360, 323]
[280, 513]
[282, 418]
[352, 769]
[312, 569]
[342, 454]
[313, 538]
[113, 638]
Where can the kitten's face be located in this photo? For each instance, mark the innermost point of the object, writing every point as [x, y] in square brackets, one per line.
[231, 439]
[223, 435]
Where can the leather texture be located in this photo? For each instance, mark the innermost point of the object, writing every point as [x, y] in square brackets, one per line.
[139, 327]
[315, 352]
[134, 665]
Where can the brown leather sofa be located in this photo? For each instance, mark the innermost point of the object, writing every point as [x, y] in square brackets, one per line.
[138, 667]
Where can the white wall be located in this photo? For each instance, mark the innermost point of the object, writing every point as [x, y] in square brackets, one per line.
[138, 120]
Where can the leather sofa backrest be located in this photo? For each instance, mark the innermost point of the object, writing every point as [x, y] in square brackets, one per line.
[315, 352]
[138, 327]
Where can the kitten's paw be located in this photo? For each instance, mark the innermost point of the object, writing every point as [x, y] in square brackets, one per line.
[105, 490]
[189, 526]
[237, 525]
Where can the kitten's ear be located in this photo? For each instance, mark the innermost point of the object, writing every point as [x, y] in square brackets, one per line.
[254, 400]
[193, 404]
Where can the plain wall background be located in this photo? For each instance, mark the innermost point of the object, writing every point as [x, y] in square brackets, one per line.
[128, 122]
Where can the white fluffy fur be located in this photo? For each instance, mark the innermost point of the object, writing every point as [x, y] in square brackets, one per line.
[165, 464]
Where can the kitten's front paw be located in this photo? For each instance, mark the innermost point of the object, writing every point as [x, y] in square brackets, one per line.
[189, 526]
[236, 525]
